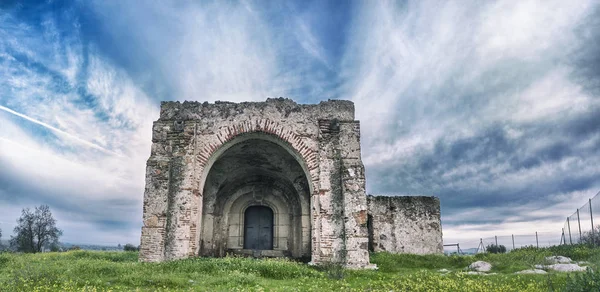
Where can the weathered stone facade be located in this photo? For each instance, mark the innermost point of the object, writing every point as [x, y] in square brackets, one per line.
[408, 224]
[213, 166]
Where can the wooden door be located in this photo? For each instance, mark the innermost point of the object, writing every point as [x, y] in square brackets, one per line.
[258, 228]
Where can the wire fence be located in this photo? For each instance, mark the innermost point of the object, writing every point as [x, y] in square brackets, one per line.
[510, 242]
[581, 227]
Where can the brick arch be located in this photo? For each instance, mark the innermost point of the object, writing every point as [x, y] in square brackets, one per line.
[227, 136]
[211, 146]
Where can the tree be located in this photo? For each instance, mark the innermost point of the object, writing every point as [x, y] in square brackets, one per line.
[55, 247]
[35, 230]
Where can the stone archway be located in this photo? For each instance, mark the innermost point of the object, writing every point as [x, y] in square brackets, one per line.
[303, 161]
[255, 172]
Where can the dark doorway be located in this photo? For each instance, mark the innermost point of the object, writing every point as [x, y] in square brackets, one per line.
[258, 228]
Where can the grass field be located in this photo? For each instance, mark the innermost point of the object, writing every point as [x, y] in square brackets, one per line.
[121, 271]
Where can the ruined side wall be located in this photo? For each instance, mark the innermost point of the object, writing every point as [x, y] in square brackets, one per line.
[409, 224]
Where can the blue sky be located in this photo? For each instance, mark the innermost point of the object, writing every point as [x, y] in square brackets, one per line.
[493, 106]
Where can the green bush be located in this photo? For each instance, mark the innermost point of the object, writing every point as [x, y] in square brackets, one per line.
[584, 282]
[130, 247]
[592, 238]
[577, 252]
[493, 248]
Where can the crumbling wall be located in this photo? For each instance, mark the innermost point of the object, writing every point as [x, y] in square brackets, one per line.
[405, 224]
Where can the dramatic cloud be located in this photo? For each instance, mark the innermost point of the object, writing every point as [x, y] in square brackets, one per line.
[485, 105]
[492, 106]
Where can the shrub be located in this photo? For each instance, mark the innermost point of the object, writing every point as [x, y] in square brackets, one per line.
[591, 238]
[492, 248]
[588, 281]
[130, 247]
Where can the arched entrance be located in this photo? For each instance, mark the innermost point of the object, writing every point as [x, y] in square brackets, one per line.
[258, 228]
[256, 197]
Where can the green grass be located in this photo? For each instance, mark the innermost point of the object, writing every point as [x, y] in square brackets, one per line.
[121, 271]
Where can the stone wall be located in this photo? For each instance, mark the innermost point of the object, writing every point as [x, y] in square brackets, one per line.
[405, 224]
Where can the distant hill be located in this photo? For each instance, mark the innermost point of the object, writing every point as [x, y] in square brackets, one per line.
[68, 245]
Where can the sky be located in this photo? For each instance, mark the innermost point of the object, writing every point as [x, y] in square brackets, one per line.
[493, 106]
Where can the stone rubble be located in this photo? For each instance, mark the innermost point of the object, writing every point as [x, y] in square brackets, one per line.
[480, 266]
[558, 260]
[532, 271]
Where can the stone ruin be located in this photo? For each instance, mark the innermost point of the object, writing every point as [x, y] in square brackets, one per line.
[272, 179]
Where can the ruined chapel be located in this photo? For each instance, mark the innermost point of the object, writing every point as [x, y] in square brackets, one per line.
[272, 179]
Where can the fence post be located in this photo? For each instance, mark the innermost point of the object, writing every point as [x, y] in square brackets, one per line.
[569, 226]
[562, 237]
[513, 238]
[496, 240]
[537, 244]
[579, 224]
[592, 219]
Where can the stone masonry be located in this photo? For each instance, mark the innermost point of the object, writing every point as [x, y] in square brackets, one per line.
[408, 224]
[272, 178]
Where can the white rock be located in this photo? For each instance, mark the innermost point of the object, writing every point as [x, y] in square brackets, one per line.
[540, 267]
[443, 271]
[479, 273]
[480, 266]
[567, 268]
[558, 260]
[532, 271]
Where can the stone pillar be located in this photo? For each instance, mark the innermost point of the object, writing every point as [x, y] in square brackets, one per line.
[171, 185]
[330, 210]
[183, 188]
[155, 195]
[354, 196]
[343, 204]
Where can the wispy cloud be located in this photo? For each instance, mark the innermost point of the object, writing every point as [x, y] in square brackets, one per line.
[67, 135]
